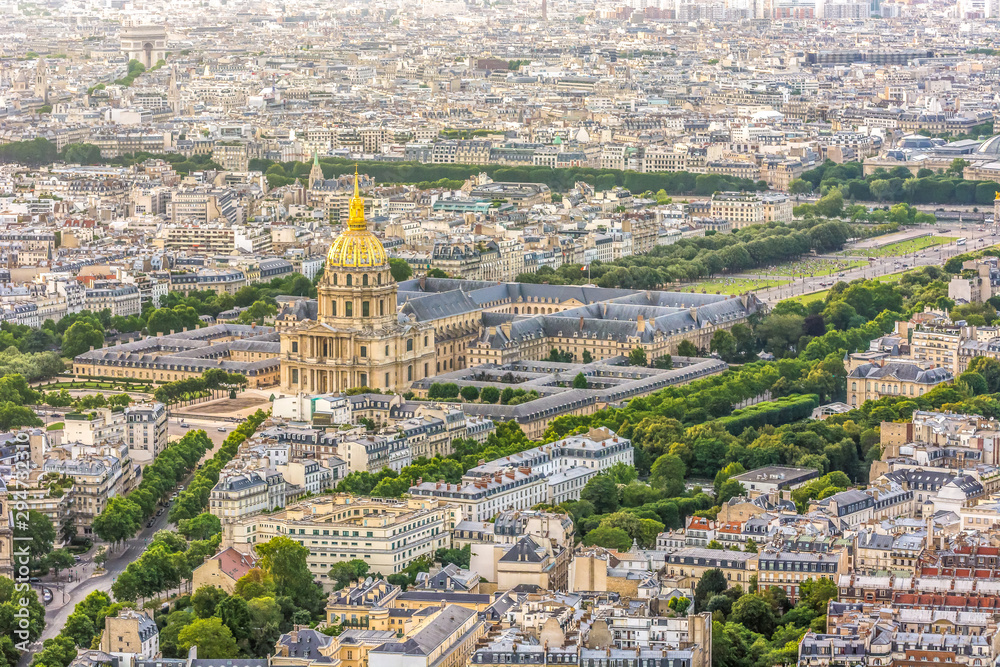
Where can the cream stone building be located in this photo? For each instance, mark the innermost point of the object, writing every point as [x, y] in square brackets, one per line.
[358, 339]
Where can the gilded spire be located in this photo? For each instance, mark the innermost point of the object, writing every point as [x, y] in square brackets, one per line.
[356, 220]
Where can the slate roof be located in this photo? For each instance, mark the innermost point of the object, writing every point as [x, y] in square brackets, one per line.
[901, 371]
[525, 550]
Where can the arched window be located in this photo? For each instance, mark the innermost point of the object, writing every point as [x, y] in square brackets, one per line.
[350, 280]
[387, 350]
[409, 373]
[348, 308]
[409, 345]
[378, 279]
[333, 308]
[364, 280]
[364, 309]
[854, 386]
[425, 341]
[381, 307]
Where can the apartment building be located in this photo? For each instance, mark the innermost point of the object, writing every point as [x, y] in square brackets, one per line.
[446, 639]
[220, 281]
[99, 473]
[684, 567]
[142, 426]
[371, 453]
[871, 381]
[121, 300]
[488, 495]
[130, 635]
[788, 569]
[742, 209]
[386, 534]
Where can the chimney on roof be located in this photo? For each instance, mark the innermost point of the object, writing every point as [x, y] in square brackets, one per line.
[641, 326]
[581, 323]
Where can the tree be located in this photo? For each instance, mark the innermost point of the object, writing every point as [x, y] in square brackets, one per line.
[399, 269]
[235, 614]
[469, 393]
[265, 623]
[489, 395]
[206, 599]
[729, 489]
[14, 603]
[687, 349]
[602, 492]
[119, 521]
[880, 189]
[258, 312]
[57, 560]
[436, 273]
[42, 535]
[667, 473]
[80, 628]
[799, 187]
[831, 205]
[214, 640]
[750, 546]
[285, 560]
[201, 527]
[622, 473]
[580, 381]
[711, 583]
[80, 337]
[817, 593]
[255, 583]
[679, 604]
[637, 357]
[609, 538]
[724, 345]
[754, 613]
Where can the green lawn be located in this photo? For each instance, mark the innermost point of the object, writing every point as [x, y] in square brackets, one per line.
[56, 426]
[902, 247]
[806, 299]
[816, 267]
[734, 285]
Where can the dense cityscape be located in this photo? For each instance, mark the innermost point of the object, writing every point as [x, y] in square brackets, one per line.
[482, 333]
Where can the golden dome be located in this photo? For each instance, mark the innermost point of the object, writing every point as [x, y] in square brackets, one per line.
[356, 247]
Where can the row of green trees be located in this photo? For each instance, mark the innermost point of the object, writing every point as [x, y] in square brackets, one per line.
[123, 516]
[701, 257]
[212, 380]
[193, 500]
[898, 184]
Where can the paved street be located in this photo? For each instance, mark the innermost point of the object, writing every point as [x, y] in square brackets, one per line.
[66, 594]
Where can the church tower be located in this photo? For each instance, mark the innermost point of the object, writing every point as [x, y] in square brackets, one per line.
[358, 338]
[41, 81]
[316, 173]
[173, 92]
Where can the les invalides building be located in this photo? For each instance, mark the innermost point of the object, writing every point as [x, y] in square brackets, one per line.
[358, 339]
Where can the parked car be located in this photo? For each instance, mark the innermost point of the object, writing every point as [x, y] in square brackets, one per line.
[149, 524]
[46, 595]
[221, 429]
[34, 580]
[77, 559]
[159, 511]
